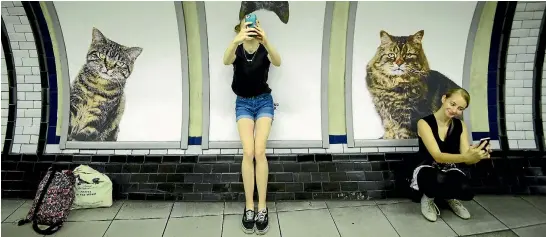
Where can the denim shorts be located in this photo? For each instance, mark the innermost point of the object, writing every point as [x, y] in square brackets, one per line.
[254, 107]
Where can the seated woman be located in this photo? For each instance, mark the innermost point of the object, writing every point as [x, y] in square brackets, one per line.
[443, 143]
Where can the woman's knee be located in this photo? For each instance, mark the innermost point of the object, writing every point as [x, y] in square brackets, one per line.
[259, 153]
[428, 182]
[248, 153]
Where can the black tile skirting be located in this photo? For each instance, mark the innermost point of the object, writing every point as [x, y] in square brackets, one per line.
[291, 177]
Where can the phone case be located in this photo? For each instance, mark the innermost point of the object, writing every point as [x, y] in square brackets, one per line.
[251, 18]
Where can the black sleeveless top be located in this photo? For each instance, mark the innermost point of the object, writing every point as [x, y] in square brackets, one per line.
[451, 143]
[250, 72]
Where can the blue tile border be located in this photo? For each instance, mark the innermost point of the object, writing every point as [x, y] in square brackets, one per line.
[496, 35]
[194, 140]
[479, 135]
[338, 139]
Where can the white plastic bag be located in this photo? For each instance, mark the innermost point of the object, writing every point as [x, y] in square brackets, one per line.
[93, 189]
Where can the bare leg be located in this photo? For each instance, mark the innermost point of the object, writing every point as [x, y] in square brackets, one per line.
[263, 127]
[246, 133]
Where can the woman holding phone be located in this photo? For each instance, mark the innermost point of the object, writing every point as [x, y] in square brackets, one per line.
[443, 143]
[251, 54]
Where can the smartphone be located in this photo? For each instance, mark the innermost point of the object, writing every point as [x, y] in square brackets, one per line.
[486, 141]
[251, 18]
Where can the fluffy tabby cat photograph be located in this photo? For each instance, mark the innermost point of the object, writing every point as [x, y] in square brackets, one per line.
[402, 85]
[97, 99]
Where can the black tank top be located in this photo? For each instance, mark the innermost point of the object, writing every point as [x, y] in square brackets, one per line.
[250, 72]
[451, 143]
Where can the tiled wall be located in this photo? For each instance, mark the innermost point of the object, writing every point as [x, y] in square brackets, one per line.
[196, 150]
[25, 56]
[519, 74]
[291, 177]
[518, 91]
[339, 172]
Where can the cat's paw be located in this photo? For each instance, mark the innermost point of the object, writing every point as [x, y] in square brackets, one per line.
[85, 136]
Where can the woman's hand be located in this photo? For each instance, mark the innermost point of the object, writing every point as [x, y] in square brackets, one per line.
[488, 148]
[261, 37]
[244, 34]
[475, 154]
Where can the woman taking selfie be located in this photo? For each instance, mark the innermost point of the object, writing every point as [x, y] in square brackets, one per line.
[443, 143]
[251, 54]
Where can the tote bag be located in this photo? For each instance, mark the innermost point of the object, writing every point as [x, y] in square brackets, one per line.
[93, 189]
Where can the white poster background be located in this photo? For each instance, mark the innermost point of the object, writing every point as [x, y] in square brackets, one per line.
[446, 26]
[153, 109]
[296, 84]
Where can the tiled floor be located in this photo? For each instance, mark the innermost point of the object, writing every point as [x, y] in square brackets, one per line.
[492, 216]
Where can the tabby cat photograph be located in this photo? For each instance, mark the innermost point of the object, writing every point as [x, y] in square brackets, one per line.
[97, 99]
[402, 85]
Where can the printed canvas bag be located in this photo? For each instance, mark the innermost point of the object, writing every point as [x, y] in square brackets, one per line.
[52, 202]
[93, 189]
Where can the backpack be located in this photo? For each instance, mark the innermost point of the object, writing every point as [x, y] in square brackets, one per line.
[52, 202]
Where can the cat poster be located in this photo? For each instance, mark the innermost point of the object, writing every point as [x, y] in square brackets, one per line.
[298, 116]
[125, 72]
[402, 64]
[97, 95]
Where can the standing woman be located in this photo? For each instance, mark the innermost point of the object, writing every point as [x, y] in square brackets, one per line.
[443, 143]
[251, 54]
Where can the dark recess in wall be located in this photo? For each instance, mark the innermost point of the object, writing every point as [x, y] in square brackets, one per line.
[504, 17]
[12, 83]
[537, 83]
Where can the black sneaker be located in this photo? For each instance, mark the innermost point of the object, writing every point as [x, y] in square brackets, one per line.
[262, 222]
[248, 221]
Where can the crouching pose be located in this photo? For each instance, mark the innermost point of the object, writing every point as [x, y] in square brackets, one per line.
[443, 143]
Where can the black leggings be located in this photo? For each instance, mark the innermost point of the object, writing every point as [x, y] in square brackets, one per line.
[444, 185]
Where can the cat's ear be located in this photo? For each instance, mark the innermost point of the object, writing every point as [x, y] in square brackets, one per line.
[134, 52]
[385, 37]
[418, 37]
[97, 36]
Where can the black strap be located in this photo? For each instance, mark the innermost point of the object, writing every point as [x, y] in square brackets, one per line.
[41, 198]
[450, 128]
[56, 226]
[49, 231]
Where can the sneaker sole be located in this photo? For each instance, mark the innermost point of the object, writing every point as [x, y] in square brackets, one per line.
[262, 232]
[247, 231]
[462, 217]
[431, 220]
